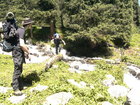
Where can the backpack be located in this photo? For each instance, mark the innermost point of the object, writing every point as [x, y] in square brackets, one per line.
[10, 32]
[57, 39]
[56, 36]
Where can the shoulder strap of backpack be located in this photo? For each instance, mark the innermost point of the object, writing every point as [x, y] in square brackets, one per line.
[6, 29]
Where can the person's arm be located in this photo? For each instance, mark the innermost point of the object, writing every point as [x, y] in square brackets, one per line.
[24, 46]
[63, 42]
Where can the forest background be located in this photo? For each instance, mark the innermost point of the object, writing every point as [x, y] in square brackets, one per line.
[97, 24]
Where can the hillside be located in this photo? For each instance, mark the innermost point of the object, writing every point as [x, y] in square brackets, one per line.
[84, 87]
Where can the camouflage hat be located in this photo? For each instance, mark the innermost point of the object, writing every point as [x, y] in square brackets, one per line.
[27, 21]
[10, 15]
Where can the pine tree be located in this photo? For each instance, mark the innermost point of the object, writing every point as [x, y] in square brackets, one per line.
[136, 17]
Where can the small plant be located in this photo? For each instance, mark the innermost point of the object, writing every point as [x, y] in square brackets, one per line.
[124, 59]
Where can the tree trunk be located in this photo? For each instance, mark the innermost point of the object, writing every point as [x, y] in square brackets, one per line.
[62, 23]
[31, 33]
[52, 60]
[52, 27]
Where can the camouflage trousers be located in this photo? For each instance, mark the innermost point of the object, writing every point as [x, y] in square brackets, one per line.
[18, 59]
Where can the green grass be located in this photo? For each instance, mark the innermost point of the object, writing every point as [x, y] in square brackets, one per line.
[56, 79]
[132, 55]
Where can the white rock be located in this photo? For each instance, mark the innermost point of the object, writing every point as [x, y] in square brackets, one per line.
[63, 52]
[91, 86]
[61, 98]
[72, 81]
[39, 88]
[106, 103]
[134, 96]
[80, 85]
[136, 69]
[55, 66]
[17, 99]
[131, 81]
[118, 91]
[72, 70]
[97, 58]
[75, 63]
[83, 84]
[34, 59]
[4, 89]
[86, 67]
[109, 81]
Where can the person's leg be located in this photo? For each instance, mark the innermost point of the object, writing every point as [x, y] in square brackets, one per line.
[18, 63]
[56, 47]
[17, 77]
[60, 47]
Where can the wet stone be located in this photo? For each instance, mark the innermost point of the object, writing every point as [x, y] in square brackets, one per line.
[132, 72]
[138, 76]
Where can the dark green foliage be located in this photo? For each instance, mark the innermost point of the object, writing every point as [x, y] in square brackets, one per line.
[100, 22]
[45, 5]
[136, 17]
[41, 34]
[84, 46]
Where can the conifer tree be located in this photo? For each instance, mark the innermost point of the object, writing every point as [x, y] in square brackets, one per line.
[136, 13]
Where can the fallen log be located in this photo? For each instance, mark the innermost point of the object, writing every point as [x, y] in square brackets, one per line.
[52, 60]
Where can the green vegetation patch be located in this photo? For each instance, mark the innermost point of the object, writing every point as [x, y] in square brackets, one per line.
[56, 80]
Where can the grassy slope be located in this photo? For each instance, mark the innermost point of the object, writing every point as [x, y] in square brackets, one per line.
[56, 80]
[133, 53]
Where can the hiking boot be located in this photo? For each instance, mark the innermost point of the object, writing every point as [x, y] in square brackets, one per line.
[18, 93]
[23, 88]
